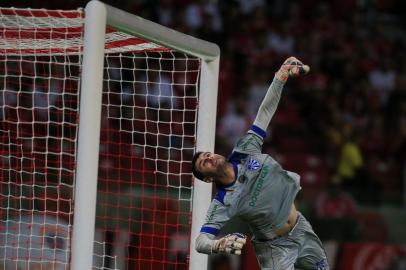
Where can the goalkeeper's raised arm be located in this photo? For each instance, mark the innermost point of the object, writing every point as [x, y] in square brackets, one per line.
[291, 67]
[254, 187]
[250, 143]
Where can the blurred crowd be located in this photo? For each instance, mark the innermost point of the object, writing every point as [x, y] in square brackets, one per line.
[346, 121]
[342, 127]
[349, 113]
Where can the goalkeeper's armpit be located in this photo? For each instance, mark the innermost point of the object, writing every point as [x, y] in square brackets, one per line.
[231, 244]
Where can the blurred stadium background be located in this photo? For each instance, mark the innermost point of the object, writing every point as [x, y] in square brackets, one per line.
[343, 127]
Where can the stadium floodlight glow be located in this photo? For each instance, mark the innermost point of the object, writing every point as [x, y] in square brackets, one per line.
[101, 114]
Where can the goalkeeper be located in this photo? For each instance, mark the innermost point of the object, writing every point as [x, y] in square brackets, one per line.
[254, 187]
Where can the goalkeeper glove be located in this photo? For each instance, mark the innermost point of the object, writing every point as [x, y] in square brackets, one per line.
[231, 244]
[291, 67]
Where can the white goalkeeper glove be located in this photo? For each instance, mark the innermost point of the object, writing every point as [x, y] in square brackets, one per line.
[231, 244]
[292, 67]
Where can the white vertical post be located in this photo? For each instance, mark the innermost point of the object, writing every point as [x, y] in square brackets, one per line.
[205, 142]
[89, 136]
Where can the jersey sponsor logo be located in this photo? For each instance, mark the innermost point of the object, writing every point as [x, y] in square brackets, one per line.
[253, 164]
[258, 186]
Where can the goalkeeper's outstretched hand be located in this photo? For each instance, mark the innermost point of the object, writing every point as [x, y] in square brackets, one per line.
[292, 67]
[231, 244]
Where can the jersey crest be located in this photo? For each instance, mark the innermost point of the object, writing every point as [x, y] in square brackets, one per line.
[253, 164]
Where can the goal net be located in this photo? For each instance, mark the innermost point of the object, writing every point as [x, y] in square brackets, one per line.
[147, 138]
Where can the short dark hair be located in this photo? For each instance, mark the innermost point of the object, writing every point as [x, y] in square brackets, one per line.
[195, 172]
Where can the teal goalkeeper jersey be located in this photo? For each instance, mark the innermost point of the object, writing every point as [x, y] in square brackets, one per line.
[261, 195]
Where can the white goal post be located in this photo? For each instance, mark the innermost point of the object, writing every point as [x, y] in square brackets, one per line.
[101, 112]
[97, 13]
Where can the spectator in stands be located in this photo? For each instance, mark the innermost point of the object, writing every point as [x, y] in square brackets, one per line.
[335, 210]
[159, 92]
[281, 40]
[335, 203]
[351, 160]
[234, 122]
[383, 80]
[353, 172]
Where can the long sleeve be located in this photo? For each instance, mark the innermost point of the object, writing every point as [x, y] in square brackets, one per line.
[204, 243]
[217, 216]
[269, 104]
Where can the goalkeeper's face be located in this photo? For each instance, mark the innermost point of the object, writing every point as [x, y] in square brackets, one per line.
[212, 166]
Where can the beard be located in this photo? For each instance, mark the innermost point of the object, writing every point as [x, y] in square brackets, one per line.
[221, 169]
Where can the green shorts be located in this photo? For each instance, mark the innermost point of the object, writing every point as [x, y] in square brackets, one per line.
[299, 249]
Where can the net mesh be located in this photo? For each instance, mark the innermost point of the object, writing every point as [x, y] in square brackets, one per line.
[39, 128]
[148, 133]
